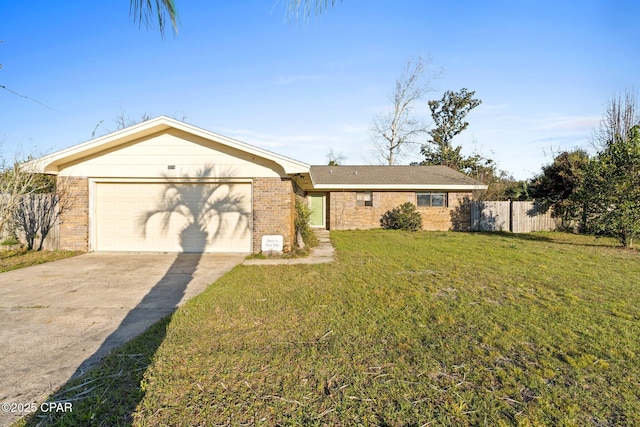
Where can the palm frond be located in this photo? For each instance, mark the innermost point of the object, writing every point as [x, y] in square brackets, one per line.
[303, 9]
[148, 12]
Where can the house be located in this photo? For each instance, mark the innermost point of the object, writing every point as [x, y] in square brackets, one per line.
[356, 197]
[164, 185]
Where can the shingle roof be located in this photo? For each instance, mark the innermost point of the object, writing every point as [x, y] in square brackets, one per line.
[410, 177]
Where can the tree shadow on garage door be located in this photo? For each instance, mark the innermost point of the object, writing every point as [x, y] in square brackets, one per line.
[209, 215]
[106, 388]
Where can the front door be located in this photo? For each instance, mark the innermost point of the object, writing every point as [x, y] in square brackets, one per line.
[316, 203]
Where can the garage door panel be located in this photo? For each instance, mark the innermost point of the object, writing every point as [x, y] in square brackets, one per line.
[230, 228]
[176, 217]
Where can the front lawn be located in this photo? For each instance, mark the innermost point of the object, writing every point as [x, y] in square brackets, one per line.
[404, 329]
[20, 258]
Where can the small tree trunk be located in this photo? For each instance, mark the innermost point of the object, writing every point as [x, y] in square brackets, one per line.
[299, 240]
[583, 223]
[624, 239]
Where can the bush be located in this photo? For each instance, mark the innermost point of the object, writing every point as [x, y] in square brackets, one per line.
[404, 217]
[301, 222]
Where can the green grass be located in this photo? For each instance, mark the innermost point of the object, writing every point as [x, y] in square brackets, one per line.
[404, 329]
[10, 241]
[20, 258]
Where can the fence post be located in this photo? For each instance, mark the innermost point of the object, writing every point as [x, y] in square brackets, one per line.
[510, 216]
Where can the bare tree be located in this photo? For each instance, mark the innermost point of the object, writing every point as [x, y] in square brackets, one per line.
[37, 213]
[335, 158]
[16, 180]
[621, 114]
[123, 121]
[394, 132]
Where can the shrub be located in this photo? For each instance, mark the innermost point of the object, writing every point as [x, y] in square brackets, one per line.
[403, 217]
[301, 222]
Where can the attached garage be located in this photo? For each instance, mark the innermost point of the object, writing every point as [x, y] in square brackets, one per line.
[172, 216]
[166, 186]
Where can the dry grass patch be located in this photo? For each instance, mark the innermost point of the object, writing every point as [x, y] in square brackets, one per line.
[20, 258]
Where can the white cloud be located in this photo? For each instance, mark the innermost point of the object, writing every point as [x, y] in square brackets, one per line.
[523, 143]
[554, 122]
[306, 147]
[277, 141]
[354, 128]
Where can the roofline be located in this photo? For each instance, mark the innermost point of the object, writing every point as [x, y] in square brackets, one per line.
[409, 187]
[50, 162]
[405, 187]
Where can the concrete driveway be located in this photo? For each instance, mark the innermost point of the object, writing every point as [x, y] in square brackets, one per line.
[60, 318]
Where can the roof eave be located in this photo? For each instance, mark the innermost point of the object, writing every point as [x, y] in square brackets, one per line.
[402, 187]
[51, 163]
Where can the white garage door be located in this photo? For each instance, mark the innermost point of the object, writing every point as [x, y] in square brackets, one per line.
[173, 217]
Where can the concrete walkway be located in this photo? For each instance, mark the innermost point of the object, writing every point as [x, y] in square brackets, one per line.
[321, 254]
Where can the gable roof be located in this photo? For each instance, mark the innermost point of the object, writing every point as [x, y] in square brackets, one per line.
[391, 178]
[51, 163]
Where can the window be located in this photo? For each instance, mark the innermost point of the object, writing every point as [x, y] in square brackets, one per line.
[364, 198]
[432, 199]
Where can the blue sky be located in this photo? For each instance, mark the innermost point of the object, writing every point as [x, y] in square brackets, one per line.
[543, 69]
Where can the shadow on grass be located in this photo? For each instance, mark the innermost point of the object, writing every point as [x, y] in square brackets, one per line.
[531, 237]
[558, 238]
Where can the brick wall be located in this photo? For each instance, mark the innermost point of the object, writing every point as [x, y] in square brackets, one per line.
[344, 214]
[74, 228]
[460, 211]
[273, 210]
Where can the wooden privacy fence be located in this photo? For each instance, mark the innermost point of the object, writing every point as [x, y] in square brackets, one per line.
[51, 242]
[518, 217]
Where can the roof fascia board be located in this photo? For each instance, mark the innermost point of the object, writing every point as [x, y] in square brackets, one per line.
[404, 187]
[51, 162]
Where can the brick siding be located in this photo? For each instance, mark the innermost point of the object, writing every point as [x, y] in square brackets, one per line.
[344, 214]
[74, 227]
[273, 210]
